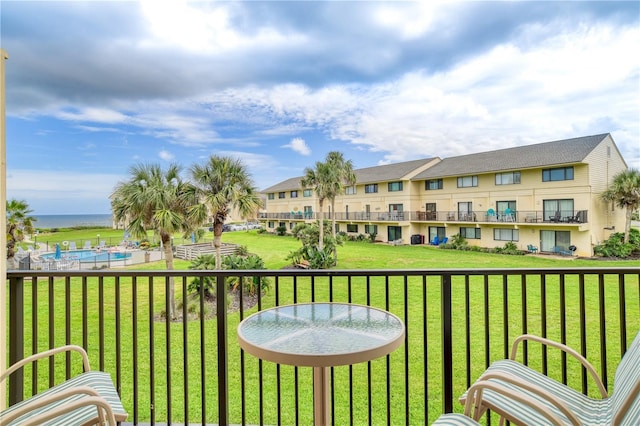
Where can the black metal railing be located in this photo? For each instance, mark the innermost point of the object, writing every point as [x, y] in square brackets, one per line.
[570, 217]
[191, 370]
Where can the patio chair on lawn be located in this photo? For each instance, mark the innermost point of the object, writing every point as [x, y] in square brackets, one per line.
[542, 400]
[88, 398]
[532, 249]
[435, 241]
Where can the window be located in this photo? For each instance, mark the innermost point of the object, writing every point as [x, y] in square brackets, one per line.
[467, 181]
[500, 234]
[271, 196]
[394, 186]
[281, 194]
[352, 227]
[307, 193]
[465, 211]
[551, 239]
[431, 184]
[371, 188]
[557, 210]
[430, 211]
[371, 229]
[470, 233]
[508, 178]
[271, 224]
[560, 173]
[350, 190]
[294, 194]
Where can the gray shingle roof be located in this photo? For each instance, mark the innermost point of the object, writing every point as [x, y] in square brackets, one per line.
[568, 151]
[387, 172]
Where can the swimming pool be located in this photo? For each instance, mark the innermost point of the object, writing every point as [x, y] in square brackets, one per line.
[89, 255]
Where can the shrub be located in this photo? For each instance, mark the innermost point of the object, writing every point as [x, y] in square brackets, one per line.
[281, 230]
[242, 251]
[616, 247]
[250, 284]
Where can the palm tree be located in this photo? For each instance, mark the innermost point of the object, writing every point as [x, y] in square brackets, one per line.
[624, 192]
[318, 178]
[158, 200]
[223, 183]
[19, 223]
[341, 176]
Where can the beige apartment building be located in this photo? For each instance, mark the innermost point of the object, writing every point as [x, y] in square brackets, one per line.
[544, 195]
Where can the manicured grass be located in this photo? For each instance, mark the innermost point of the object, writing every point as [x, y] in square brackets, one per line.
[150, 299]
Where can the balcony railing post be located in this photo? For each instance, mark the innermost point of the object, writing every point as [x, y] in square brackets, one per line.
[16, 337]
[447, 344]
[223, 348]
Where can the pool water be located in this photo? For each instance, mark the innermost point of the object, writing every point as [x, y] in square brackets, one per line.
[89, 255]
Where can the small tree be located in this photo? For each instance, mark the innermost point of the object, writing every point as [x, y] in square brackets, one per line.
[624, 192]
[158, 200]
[222, 183]
[309, 235]
[19, 223]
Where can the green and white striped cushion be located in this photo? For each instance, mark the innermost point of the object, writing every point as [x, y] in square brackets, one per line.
[590, 411]
[97, 380]
[626, 383]
[454, 419]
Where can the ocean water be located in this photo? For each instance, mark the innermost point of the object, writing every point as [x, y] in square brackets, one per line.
[69, 220]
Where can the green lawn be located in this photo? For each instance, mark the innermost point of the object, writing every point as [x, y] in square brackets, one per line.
[418, 354]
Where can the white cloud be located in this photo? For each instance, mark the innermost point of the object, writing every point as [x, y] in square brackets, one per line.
[298, 145]
[166, 155]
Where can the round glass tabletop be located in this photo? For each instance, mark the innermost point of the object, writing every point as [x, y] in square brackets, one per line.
[321, 334]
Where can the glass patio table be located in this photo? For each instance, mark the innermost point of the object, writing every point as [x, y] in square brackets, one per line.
[321, 335]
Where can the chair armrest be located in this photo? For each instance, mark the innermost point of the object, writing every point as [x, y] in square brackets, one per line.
[547, 342]
[46, 400]
[474, 398]
[47, 354]
[104, 413]
[535, 389]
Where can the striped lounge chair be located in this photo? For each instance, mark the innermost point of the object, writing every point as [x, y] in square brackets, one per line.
[89, 398]
[454, 419]
[540, 400]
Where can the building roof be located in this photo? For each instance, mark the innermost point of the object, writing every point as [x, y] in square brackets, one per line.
[387, 172]
[568, 151]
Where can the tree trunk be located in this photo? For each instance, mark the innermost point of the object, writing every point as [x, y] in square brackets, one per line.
[333, 217]
[627, 223]
[168, 259]
[217, 243]
[321, 230]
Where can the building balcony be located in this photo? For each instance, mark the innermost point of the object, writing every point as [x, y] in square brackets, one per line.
[192, 370]
[568, 217]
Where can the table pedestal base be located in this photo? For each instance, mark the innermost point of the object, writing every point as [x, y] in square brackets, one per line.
[321, 396]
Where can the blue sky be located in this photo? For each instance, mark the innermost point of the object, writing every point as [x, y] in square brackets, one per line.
[95, 87]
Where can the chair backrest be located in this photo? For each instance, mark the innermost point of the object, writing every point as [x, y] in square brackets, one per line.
[444, 240]
[625, 399]
[491, 212]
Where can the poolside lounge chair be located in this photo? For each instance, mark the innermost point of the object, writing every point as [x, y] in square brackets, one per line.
[73, 401]
[72, 245]
[87, 245]
[545, 400]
